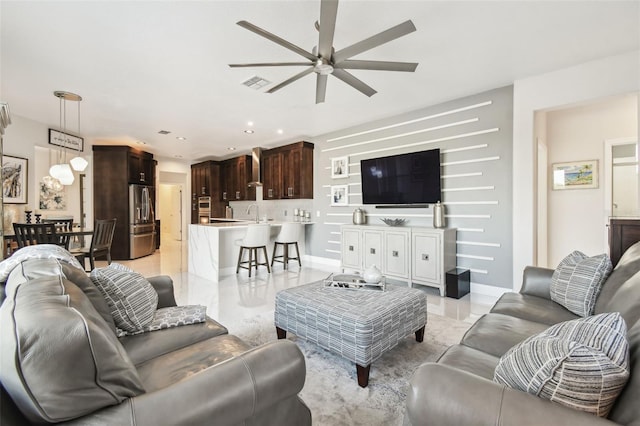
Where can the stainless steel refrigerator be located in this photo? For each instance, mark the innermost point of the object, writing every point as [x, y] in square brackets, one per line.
[142, 233]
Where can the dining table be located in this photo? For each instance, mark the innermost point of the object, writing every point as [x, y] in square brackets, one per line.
[11, 245]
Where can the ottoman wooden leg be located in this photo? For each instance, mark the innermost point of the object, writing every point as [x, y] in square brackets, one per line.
[282, 334]
[363, 375]
[420, 334]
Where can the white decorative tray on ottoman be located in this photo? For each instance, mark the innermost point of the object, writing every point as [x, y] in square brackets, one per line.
[352, 281]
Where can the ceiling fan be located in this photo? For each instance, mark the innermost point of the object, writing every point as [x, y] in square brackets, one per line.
[325, 60]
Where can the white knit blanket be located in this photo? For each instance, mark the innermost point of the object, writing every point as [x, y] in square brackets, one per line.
[37, 251]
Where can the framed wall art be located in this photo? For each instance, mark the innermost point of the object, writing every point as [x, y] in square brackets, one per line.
[340, 195]
[65, 140]
[575, 175]
[340, 167]
[14, 179]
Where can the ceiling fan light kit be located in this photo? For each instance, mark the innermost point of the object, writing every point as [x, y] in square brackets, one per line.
[324, 60]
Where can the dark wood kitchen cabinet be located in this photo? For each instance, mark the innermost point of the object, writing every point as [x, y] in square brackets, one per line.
[114, 168]
[288, 171]
[205, 182]
[141, 167]
[235, 177]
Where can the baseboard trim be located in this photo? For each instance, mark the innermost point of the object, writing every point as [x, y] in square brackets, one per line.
[334, 263]
[488, 290]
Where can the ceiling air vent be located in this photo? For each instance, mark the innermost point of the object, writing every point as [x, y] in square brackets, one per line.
[164, 132]
[256, 82]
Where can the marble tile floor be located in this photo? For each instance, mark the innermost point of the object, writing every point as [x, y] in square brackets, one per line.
[238, 297]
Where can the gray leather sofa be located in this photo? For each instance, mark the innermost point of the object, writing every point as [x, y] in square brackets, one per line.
[62, 362]
[458, 389]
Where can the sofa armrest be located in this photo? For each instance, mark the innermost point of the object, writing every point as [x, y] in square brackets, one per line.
[536, 281]
[163, 284]
[228, 393]
[442, 395]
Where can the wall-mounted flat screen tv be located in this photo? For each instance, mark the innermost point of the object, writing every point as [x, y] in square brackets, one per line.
[412, 178]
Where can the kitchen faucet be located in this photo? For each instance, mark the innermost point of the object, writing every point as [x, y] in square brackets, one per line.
[257, 211]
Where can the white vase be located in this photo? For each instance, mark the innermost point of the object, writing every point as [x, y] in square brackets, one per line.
[372, 275]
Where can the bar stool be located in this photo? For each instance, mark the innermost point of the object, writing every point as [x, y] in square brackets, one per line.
[289, 234]
[257, 237]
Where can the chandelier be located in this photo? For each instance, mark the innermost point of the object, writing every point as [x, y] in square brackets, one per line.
[61, 171]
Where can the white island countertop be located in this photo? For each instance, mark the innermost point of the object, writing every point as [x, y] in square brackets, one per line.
[213, 248]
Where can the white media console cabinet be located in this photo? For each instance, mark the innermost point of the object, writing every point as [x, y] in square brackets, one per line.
[413, 254]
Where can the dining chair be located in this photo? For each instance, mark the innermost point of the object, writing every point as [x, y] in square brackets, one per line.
[103, 230]
[62, 225]
[27, 234]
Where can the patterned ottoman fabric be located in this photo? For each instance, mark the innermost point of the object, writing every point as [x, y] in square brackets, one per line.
[359, 325]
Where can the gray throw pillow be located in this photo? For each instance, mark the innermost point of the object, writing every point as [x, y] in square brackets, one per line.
[582, 364]
[173, 316]
[131, 298]
[577, 281]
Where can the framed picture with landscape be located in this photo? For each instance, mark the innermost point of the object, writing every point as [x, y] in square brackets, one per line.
[575, 175]
[14, 179]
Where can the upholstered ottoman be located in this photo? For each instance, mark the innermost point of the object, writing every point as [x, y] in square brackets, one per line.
[359, 325]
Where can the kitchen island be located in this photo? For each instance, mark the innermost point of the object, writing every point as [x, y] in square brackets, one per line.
[213, 251]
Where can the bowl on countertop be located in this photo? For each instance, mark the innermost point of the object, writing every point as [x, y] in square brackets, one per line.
[393, 222]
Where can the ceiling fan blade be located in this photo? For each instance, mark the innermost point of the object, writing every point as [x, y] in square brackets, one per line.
[374, 41]
[328, 12]
[290, 80]
[352, 64]
[354, 82]
[272, 64]
[274, 38]
[321, 88]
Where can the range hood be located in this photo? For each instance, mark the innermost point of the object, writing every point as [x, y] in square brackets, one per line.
[256, 158]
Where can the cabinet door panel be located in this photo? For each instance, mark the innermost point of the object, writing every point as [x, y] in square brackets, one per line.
[372, 249]
[351, 249]
[425, 257]
[396, 253]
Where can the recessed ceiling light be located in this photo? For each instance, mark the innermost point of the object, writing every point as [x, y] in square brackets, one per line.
[249, 123]
[178, 156]
[231, 148]
[181, 138]
[280, 131]
[249, 131]
[142, 142]
[164, 132]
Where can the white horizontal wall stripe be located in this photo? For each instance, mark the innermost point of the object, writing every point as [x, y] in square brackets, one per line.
[469, 188]
[469, 203]
[334, 223]
[471, 229]
[471, 256]
[430, 141]
[476, 160]
[335, 233]
[333, 251]
[469, 216]
[479, 271]
[474, 243]
[404, 123]
[333, 242]
[400, 135]
[461, 175]
[464, 148]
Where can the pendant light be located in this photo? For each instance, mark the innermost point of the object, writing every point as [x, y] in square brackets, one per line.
[62, 170]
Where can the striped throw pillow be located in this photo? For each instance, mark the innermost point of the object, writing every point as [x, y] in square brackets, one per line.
[582, 364]
[173, 316]
[131, 298]
[577, 281]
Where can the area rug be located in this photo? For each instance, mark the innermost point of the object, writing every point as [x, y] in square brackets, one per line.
[331, 390]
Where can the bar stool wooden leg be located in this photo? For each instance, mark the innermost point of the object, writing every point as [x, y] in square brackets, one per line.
[273, 256]
[239, 259]
[298, 254]
[266, 259]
